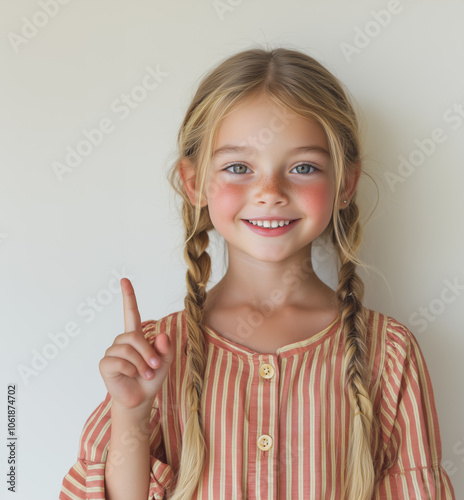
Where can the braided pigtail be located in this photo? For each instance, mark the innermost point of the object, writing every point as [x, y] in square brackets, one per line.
[363, 437]
[193, 451]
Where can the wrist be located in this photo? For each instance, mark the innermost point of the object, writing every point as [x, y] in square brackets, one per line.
[137, 413]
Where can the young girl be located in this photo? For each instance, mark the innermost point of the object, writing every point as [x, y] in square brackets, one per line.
[271, 385]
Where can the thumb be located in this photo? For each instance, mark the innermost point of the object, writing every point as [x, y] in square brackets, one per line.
[164, 347]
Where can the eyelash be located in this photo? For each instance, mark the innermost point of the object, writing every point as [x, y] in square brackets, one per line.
[242, 164]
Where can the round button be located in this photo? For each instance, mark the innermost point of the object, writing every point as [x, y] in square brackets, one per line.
[264, 442]
[266, 371]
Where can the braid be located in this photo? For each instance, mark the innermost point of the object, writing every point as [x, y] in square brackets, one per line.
[193, 450]
[350, 291]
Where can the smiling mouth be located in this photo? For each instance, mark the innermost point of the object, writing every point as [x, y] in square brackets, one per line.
[270, 224]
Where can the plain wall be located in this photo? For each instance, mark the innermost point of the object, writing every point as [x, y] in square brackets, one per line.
[65, 240]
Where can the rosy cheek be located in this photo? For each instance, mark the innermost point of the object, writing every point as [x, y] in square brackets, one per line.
[317, 198]
[228, 196]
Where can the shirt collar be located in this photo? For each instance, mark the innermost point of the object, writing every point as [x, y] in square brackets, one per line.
[285, 351]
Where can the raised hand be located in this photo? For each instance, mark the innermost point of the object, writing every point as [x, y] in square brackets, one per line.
[134, 370]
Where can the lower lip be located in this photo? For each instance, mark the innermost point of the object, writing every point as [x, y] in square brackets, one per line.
[264, 231]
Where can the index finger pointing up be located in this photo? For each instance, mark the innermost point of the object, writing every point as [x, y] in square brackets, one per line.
[131, 311]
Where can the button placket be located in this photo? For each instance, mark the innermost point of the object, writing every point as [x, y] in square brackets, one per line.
[263, 436]
[267, 372]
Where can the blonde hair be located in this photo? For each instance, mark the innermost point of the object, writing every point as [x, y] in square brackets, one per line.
[297, 82]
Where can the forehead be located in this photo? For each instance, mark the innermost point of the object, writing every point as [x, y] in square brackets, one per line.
[261, 124]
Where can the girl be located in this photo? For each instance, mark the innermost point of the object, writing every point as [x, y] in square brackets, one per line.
[271, 385]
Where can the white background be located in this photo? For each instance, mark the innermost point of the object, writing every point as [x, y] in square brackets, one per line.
[64, 243]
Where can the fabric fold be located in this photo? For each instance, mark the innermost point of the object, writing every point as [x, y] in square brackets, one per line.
[86, 480]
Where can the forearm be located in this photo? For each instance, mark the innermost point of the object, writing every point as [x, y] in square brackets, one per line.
[127, 471]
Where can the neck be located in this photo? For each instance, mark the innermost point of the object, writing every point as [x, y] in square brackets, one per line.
[278, 285]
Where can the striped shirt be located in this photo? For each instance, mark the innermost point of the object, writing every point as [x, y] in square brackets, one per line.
[277, 425]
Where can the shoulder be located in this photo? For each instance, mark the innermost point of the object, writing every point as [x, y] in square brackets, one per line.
[173, 325]
[389, 330]
[392, 344]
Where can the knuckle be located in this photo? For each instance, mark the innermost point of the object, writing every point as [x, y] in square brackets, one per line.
[126, 349]
[118, 337]
[120, 364]
[142, 365]
[132, 370]
[132, 336]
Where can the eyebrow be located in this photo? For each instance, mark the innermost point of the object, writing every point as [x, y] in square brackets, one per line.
[229, 148]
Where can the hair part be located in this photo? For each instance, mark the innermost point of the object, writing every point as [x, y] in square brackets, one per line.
[297, 82]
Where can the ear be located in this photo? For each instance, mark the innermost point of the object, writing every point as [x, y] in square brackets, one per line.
[351, 181]
[188, 172]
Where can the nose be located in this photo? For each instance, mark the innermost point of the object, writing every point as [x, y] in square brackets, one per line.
[270, 190]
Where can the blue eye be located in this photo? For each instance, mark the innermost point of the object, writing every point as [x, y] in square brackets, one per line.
[235, 165]
[305, 165]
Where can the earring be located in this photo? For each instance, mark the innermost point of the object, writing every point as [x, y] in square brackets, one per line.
[344, 201]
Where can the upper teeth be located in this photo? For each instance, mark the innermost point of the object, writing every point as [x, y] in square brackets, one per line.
[270, 223]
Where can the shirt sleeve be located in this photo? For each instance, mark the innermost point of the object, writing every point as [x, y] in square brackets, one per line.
[410, 435]
[86, 478]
